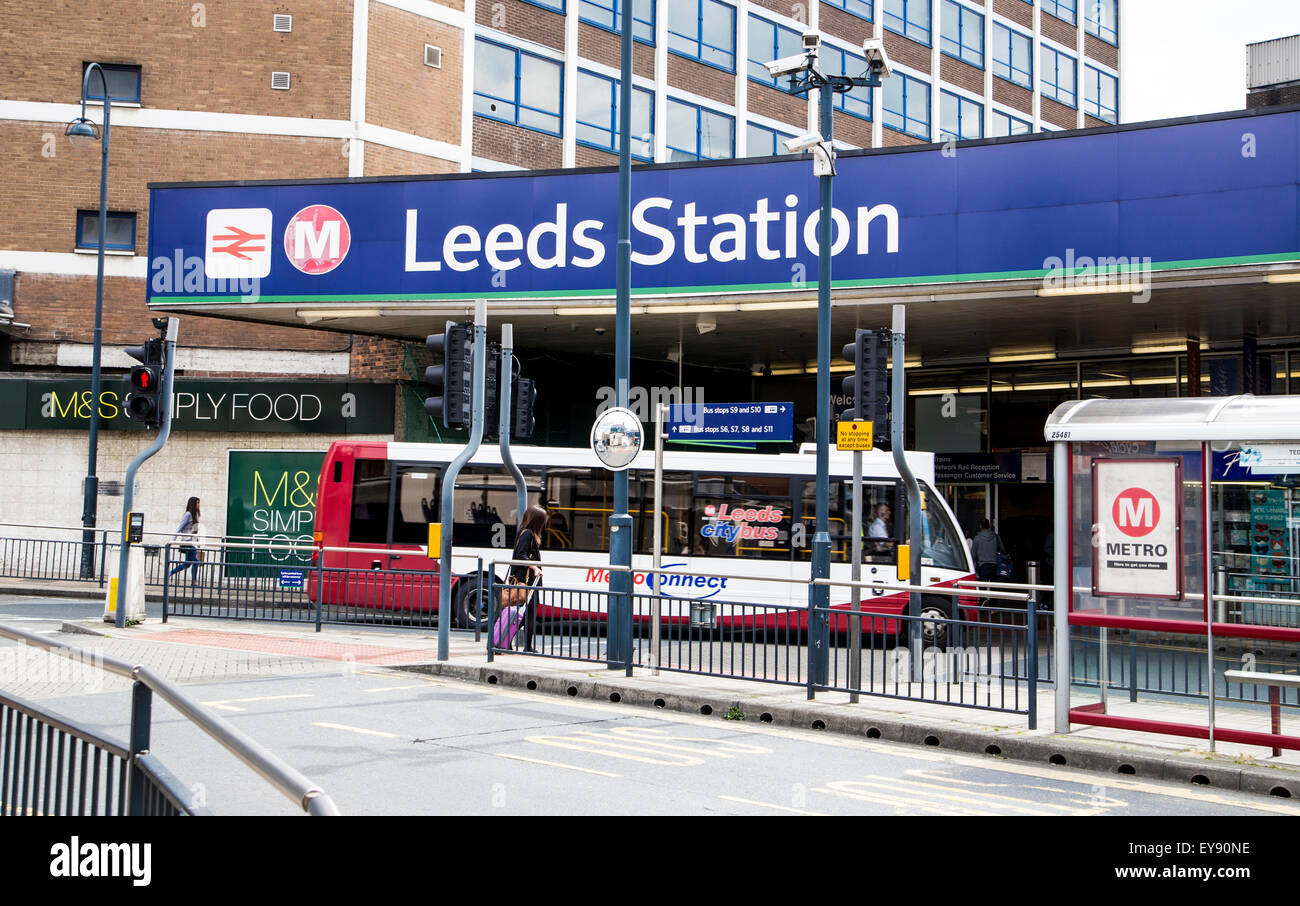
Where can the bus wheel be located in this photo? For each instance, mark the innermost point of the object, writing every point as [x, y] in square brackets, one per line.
[935, 634]
[473, 595]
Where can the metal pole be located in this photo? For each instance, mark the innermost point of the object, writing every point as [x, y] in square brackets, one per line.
[1061, 597]
[128, 489]
[506, 379]
[449, 480]
[897, 443]
[819, 595]
[618, 650]
[855, 573]
[90, 505]
[141, 719]
[658, 557]
[1207, 538]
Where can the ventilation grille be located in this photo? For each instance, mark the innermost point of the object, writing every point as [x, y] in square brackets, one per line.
[280, 81]
[280, 22]
[433, 56]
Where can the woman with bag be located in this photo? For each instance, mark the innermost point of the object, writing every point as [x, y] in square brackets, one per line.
[188, 535]
[522, 579]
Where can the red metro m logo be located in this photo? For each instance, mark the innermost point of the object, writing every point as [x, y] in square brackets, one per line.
[1135, 512]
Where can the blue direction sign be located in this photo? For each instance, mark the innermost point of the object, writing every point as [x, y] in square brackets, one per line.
[291, 578]
[731, 422]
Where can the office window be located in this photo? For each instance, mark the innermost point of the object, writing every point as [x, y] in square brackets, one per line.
[1059, 77]
[703, 30]
[856, 102]
[597, 115]
[764, 142]
[1065, 10]
[907, 105]
[514, 86]
[698, 134]
[1101, 94]
[910, 18]
[1013, 56]
[123, 83]
[963, 33]
[767, 42]
[864, 9]
[1004, 124]
[119, 230]
[1102, 19]
[960, 117]
[605, 14]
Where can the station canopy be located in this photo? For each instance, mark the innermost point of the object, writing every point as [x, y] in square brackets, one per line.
[1206, 418]
[1109, 240]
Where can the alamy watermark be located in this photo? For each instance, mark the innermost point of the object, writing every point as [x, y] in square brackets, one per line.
[30, 666]
[181, 273]
[644, 401]
[1082, 275]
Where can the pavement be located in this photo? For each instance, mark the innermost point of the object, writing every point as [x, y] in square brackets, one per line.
[293, 647]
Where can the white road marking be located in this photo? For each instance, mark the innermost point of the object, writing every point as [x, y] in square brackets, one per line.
[361, 730]
[783, 808]
[554, 764]
[228, 704]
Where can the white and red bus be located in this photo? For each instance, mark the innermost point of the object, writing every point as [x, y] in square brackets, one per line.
[732, 513]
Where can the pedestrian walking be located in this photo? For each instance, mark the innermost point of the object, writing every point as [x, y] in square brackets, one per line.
[985, 548]
[528, 547]
[188, 535]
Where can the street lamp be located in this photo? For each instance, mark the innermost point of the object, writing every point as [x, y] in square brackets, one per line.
[805, 75]
[79, 129]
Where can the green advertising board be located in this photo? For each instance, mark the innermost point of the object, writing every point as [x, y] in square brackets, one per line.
[207, 404]
[271, 499]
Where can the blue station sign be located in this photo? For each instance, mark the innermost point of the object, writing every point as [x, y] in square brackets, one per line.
[744, 422]
[1210, 191]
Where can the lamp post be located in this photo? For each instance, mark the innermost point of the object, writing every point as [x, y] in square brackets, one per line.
[805, 75]
[84, 128]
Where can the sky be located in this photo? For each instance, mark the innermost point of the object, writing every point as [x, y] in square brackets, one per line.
[1183, 57]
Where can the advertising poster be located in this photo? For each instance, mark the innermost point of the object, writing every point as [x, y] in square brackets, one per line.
[271, 499]
[1268, 541]
[1137, 526]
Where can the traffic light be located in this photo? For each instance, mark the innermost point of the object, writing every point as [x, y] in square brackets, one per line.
[144, 400]
[869, 385]
[453, 380]
[523, 398]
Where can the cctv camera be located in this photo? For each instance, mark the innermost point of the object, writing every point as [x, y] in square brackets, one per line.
[811, 40]
[787, 65]
[705, 325]
[600, 331]
[874, 50]
[803, 142]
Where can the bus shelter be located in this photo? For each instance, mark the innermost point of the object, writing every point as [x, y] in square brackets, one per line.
[1176, 542]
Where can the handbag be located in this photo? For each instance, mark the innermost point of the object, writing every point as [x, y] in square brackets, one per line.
[1004, 567]
[515, 593]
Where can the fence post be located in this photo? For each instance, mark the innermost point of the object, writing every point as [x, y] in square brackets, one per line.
[1033, 664]
[103, 555]
[141, 716]
[167, 562]
[478, 634]
[320, 586]
[492, 613]
[811, 648]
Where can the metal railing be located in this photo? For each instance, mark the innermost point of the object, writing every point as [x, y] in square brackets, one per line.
[988, 657]
[48, 765]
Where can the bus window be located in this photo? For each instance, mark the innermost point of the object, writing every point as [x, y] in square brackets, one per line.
[369, 521]
[675, 511]
[417, 504]
[743, 517]
[880, 523]
[943, 546]
[579, 502]
[836, 519]
[484, 510]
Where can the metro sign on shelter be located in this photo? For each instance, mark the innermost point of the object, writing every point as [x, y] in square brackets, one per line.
[1137, 527]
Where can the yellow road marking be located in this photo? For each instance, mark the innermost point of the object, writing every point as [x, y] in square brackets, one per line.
[555, 764]
[855, 790]
[329, 726]
[592, 743]
[972, 797]
[227, 704]
[783, 808]
[397, 688]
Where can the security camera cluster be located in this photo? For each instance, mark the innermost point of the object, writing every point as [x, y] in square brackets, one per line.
[872, 48]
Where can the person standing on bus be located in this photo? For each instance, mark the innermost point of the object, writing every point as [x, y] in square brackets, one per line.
[188, 534]
[528, 547]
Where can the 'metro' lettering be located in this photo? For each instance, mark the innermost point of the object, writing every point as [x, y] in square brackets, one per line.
[1114, 549]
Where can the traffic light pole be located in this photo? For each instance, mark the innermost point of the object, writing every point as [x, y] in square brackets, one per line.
[449, 480]
[506, 419]
[915, 535]
[128, 491]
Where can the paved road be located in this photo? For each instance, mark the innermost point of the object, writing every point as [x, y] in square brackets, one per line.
[383, 741]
